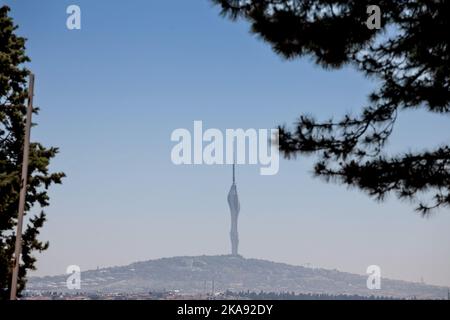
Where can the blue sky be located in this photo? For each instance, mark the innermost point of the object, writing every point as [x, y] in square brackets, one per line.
[111, 94]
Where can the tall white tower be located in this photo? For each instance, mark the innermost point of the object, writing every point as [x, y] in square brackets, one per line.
[233, 202]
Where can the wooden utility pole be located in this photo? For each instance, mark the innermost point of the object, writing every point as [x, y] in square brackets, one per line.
[23, 190]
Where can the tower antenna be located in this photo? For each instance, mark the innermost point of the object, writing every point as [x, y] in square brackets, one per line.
[234, 180]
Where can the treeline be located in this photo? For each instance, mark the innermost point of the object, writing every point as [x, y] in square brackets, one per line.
[262, 295]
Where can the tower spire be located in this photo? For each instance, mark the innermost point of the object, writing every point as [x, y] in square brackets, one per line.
[233, 202]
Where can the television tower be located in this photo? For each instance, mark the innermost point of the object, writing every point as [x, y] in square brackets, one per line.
[233, 202]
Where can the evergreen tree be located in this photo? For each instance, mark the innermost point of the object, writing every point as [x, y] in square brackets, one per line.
[409, 56]
[13, 96]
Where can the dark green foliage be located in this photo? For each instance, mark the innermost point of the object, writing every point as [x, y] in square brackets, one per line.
[409, 56]
[13, 95]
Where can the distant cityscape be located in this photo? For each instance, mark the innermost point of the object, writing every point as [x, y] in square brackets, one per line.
[172, 295]
[223, 277]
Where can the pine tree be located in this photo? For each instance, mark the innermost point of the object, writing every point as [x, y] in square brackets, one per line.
[13, 95]
[410, 58]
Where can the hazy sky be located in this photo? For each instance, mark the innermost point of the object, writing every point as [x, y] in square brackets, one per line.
[112, 93]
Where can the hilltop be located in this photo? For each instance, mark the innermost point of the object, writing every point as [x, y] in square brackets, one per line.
[195, 274]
